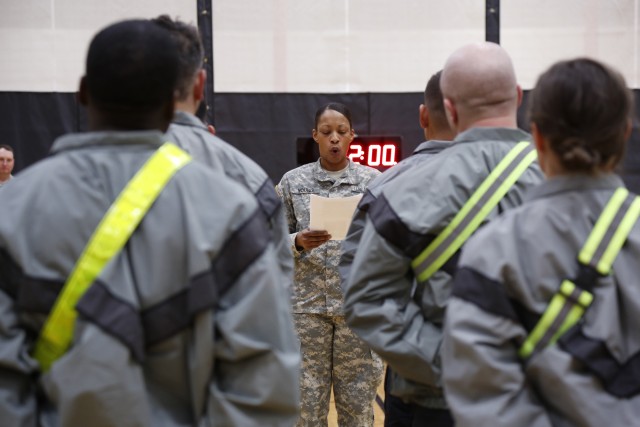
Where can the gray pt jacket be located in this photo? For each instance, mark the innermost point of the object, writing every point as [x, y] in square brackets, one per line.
[188, 326]
[400, 386]
[508, 273]
[190, 134]
[403, 324]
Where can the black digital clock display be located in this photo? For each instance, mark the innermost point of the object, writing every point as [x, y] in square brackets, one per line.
[380, 152]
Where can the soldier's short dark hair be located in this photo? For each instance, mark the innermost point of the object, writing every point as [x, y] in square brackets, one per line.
[190, 49]
[131, 65]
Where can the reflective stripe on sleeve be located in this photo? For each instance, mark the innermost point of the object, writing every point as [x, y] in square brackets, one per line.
[139, 330]
[491, 296]
[619, 379]
[268, 199]
[389, 225]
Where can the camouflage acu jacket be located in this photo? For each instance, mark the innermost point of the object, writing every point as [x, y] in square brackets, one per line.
[316, 278]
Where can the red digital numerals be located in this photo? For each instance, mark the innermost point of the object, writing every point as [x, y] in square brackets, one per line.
[375, 154]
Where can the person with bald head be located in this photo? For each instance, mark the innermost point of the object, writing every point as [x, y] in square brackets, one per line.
[482, 95]
[414, 230]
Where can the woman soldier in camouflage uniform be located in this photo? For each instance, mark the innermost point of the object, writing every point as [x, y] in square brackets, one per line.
[331, 353]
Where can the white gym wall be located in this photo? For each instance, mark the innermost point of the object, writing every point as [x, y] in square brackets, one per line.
[323, 46]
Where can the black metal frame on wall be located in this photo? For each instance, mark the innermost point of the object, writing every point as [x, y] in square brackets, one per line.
[205, 26]
[492, 21]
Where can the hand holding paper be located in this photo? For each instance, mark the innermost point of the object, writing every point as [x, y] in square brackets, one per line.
[310, 239]
[332, 214]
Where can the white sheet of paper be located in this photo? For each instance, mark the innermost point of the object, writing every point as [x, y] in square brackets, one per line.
[332, 214]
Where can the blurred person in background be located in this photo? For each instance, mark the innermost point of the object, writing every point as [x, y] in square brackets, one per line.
[6, 164]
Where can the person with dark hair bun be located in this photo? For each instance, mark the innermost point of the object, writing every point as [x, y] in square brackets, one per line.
[542, 328]
[332, 355]
[585, 133]
[138, 288]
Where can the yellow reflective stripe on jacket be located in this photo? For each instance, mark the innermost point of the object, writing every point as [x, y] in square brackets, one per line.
[474, 211]
[602, 225]
[568, 305]
[620, 236]
[565, 310]
[107, 240]
[605, 261]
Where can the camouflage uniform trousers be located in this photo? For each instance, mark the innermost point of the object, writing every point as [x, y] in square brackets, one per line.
[332, 353]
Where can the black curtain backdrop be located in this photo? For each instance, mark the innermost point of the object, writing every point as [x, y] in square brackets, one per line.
[265, 126]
